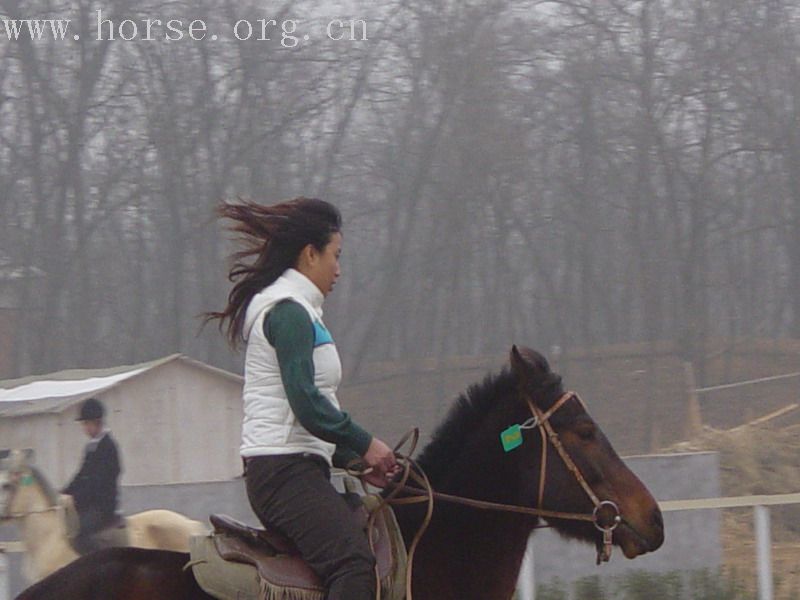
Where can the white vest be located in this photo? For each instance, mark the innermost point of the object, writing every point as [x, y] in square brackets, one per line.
[270, 426]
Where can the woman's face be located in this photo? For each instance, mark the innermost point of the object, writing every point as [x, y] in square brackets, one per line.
[323, 267]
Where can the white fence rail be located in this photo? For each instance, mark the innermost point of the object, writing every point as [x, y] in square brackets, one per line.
[761, 518]
[737, 384]
[763, 559]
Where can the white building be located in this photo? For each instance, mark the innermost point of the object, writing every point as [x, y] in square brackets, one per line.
[176, 420]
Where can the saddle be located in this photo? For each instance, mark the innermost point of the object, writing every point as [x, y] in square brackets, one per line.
[112, 535]
[115, 534]
[239, 562]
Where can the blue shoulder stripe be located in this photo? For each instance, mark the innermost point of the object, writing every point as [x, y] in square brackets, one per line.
[321, 335]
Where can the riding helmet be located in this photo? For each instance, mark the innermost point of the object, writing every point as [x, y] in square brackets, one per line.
[91, 410]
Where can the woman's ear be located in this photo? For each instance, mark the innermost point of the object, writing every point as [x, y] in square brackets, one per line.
[307, 257]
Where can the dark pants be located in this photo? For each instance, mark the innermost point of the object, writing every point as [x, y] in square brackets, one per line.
[92, 521]
[293, 494]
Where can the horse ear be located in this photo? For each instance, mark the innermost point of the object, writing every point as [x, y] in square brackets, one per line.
[517, 362]
[528, 364]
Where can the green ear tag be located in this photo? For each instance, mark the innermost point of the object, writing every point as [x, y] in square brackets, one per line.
[511, 438]
[26, 480]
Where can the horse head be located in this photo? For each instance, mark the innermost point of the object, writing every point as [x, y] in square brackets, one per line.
[601, 485]
[20, 483]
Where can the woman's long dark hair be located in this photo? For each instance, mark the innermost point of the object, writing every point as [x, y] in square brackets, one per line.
[275, 235]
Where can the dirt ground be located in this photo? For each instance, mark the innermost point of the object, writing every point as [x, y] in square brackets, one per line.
[763, 459]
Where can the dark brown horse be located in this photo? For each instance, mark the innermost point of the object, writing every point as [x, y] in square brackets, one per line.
[120, 574]
[466, 553]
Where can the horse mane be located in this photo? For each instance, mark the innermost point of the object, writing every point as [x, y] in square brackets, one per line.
[44, 484]
[467, 413]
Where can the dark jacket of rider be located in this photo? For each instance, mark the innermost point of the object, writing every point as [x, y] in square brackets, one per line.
[94, 487]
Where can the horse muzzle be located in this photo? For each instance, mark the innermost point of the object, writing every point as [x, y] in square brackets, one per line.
[635, 540]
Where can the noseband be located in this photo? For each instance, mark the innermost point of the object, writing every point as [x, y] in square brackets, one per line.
[541, 420]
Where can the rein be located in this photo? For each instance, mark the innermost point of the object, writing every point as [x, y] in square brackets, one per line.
[20, 515]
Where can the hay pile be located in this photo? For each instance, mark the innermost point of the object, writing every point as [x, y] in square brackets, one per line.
[762, 459]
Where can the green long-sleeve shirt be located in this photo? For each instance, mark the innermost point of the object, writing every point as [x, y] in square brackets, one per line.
[289, 329]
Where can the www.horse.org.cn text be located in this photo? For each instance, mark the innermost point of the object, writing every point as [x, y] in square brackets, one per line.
[289, 33]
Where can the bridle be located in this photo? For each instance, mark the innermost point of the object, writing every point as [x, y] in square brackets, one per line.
[7, 515]
[425, 493]
[541, 420]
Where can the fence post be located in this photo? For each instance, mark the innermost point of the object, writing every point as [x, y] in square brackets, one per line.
[763, 552]
[5, 594]
[694, 417]
[526, 584]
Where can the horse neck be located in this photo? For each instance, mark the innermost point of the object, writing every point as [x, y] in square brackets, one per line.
[472, 557]
[43, 530]
[469, 553]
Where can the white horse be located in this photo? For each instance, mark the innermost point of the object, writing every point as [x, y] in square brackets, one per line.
[41, 516]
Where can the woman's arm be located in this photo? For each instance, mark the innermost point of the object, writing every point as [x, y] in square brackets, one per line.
[289, 329]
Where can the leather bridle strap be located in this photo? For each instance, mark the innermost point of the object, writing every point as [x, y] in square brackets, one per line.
[539, 421]
[543, 422]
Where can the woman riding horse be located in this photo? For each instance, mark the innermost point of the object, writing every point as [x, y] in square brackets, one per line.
[294, 429]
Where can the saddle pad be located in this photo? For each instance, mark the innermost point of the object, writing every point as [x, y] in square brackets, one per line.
[278, 569]
[218, 577]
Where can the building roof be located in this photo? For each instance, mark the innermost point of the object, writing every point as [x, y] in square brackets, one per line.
[55, 392]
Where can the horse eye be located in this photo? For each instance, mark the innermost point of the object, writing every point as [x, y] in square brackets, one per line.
[586, 432]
